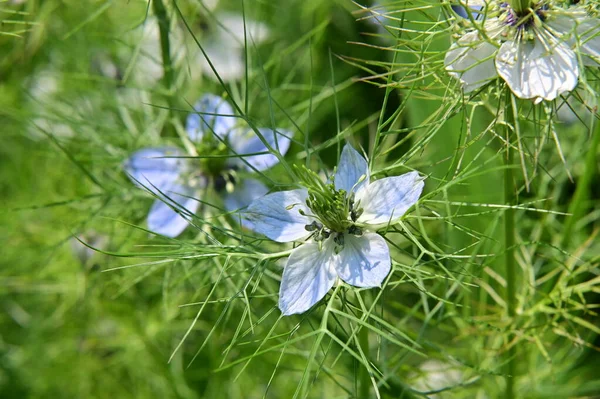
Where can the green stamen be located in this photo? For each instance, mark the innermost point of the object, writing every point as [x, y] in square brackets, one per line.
[520, 6]
[335, 209]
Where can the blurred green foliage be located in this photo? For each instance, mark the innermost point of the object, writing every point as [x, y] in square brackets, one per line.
[82, 323]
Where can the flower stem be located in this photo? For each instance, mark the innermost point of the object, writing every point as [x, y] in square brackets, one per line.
[520, 5]
[364, 382]
[509, 240]
[165, 46]
[577, 205]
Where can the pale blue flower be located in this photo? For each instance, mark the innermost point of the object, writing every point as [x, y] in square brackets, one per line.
[176, 180]
[473, 7]
[349, 249]
[540, 53]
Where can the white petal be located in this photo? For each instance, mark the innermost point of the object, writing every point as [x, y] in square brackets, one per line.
[351, 168]
[307, 277]
[277, 215]
[589, 40]
[244, 141]
[225, 55]
[580, 31]
[224, 46]
[169, 217]
[156, 169]
[471, 61]
[536, 69]
[386, 200]
[233, 25]
[201, 122]
[364, 261]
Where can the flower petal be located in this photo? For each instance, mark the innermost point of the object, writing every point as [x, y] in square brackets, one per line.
[156, 169]
[169, 216]
[474, 6]
[351, 168]
[226, 57]
[202, 122]
[580, 31]
[234, 26]
[244, 141]
[224, 46]
[588, 32]
[364, 261]
[470, 60]
[244, 193]
[307, 277]
[386, 200]
[536, 69]
[277, 215]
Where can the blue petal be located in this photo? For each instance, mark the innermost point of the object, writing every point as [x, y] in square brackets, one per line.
[247, 142]
[461, 11]
[308, 275]
[364, 261]
[213, 115]
[243, 194]
[169, 216]
[386, 200]
[281, 215]
[351, 169]
[156, 169]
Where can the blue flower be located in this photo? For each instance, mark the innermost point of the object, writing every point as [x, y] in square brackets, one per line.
[340, 221]
[177, 181]
[474, 7]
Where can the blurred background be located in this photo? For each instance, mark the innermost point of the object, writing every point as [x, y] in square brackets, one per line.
[93, 305]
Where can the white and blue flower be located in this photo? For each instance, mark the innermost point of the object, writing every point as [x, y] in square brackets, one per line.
[178, 180]
[339, 223]
[540, 52]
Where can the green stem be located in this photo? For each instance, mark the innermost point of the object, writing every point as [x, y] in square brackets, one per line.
[364, 382]
[509, 240]
[577, 205]
[165, 46]
[520, 5]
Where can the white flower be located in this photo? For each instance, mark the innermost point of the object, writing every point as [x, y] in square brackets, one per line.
[222, 39]
[577, 108]
[341, 220]
[434, 377]
[223, 42]
[144, 55]
[539, 53]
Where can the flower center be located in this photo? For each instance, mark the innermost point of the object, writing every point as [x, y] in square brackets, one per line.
[335, 211]
[226, 180]
[525, 18]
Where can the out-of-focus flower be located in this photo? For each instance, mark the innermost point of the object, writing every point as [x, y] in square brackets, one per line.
[179, 180]
[223, 42]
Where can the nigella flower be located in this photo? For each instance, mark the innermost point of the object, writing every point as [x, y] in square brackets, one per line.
[222, 39]
[539, 52]
[179, 180]
[339, 221]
